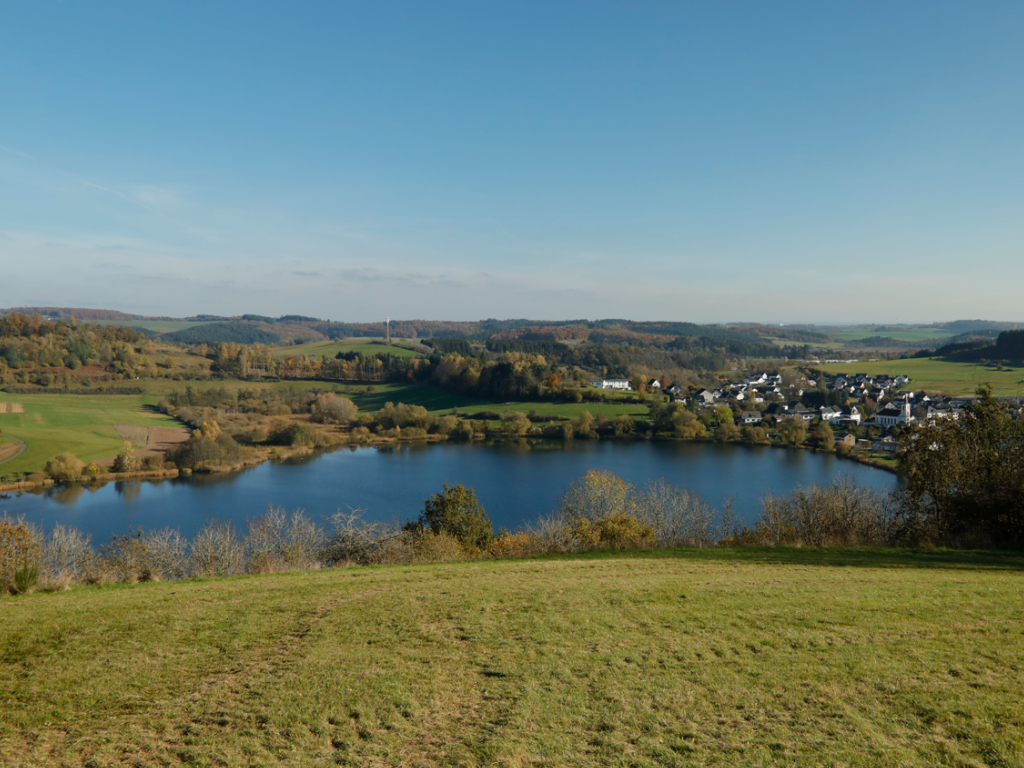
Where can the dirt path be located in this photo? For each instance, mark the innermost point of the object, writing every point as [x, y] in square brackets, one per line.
[21, 450]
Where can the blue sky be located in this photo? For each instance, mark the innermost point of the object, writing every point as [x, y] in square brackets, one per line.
[776, 162]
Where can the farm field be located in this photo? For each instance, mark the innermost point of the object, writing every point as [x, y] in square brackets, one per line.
[911, 333]
[8, 447]
[676, 657]
[610, 409]
[78, 424]
[935, 374]
[84, 425]
[438, 402]
[332, 348]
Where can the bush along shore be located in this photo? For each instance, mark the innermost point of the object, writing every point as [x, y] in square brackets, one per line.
[231, 430]
[599, 511]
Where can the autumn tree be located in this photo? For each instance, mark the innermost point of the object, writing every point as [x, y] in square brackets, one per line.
[824, 437]
[793, 430]
[967, 476]
[126, 460]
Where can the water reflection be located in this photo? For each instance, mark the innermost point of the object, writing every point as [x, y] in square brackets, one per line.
[66, 494]
[516, 481]
[129, 489]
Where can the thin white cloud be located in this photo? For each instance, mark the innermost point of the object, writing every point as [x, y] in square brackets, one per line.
[16, 152]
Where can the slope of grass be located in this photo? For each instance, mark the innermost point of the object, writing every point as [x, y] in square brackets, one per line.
[925, 335]
[78, 424]
[332, 348]
[940, 375]
[610, 409]
[732, 658]
[438, 401]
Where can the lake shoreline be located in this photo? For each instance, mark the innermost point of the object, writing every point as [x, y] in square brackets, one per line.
[278, 455]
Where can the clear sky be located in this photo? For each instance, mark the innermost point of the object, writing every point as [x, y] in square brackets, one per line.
[762, 161]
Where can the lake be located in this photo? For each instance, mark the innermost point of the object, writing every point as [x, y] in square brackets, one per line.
[516, 482]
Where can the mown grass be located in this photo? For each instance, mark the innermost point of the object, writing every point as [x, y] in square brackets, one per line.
[923, 334]
[935, 374]
[80, 424]
[610, 409]
[713, 657]
[56, 423]
[361, 345]
[438, 402]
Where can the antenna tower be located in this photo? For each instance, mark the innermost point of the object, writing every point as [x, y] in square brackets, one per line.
[387, 331]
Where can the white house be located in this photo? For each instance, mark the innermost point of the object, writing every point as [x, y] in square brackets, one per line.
[610, 383]
[705, 396]
[893, 415]
[751, 417]
[827, 413]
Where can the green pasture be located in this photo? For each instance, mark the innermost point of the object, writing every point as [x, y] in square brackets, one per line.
[332, 348]
[673, 658]
[371, 398]
[926, 335]
[935, 374]
[78, 424]
[610, 409]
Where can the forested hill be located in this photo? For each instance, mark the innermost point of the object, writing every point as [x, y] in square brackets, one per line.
[251, 328]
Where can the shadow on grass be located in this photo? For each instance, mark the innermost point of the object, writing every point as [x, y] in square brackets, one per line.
[429, 397]
[863, 557]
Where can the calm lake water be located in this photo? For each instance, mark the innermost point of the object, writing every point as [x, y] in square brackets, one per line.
[515, 482]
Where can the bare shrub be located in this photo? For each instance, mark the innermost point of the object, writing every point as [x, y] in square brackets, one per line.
[66, 555]
[843, 514]
[677, 516]
[127, 558]
[355, 540]
[553, 534]
[168, 554]
[216, 551]
[277, 542]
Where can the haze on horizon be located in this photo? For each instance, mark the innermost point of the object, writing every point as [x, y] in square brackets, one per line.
[791, 162]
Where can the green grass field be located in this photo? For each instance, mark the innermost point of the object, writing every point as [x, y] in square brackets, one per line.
[671, 658]
[78, 424]
[924, 335]
[438, 402]
[83, 425]
[609, 409]
[332, 348]
[940, 375]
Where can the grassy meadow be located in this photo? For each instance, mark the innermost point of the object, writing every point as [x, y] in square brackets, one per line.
[924, 335]
[78, 424]
[939, 375]
[56, 423]
[676, 657]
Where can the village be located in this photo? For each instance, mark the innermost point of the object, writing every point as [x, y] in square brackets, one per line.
[869, 411]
